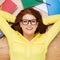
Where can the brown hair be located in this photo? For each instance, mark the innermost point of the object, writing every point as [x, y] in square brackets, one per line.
[41, 27]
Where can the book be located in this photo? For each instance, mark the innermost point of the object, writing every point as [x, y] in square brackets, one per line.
[9, 6]
[31, 3]
[54, 7]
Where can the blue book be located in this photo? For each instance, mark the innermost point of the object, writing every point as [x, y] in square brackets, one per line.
[53, 7]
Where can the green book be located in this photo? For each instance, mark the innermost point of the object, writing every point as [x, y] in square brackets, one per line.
[31, 3]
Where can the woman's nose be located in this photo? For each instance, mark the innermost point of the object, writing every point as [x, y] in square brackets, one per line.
[29, 23]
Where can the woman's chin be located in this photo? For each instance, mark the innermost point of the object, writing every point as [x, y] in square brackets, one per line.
[29, 33]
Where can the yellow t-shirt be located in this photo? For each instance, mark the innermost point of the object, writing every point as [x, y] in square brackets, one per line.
[22, 49]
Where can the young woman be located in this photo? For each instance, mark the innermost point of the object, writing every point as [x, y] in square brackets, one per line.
[28, 39]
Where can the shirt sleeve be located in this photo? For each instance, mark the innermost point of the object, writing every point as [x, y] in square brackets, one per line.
[51, 19]
[53, 31]
[6, 29]
[10, 33]
[7, 16]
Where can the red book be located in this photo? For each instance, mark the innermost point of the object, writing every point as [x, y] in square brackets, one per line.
[9, 6]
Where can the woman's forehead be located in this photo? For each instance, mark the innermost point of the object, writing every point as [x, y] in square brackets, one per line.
[29, 16]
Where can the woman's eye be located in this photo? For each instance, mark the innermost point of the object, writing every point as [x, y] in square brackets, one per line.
[33, 21]
[24, 21]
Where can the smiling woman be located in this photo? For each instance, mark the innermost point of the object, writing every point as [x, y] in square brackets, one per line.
[28, 39]
[28, 25]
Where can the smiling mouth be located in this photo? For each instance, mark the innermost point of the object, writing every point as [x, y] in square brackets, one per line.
[29, 28]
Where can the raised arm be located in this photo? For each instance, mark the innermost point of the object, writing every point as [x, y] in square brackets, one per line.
[10, 34]
[51, 19]
[5, 27]
[54, 30]
[7, 16]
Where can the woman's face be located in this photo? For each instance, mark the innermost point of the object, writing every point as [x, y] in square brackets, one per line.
[28, 24]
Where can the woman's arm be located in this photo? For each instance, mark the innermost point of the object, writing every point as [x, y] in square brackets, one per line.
[51, 19]
[6, 29]
[53, 31]
[10, 34]
[7, 16]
